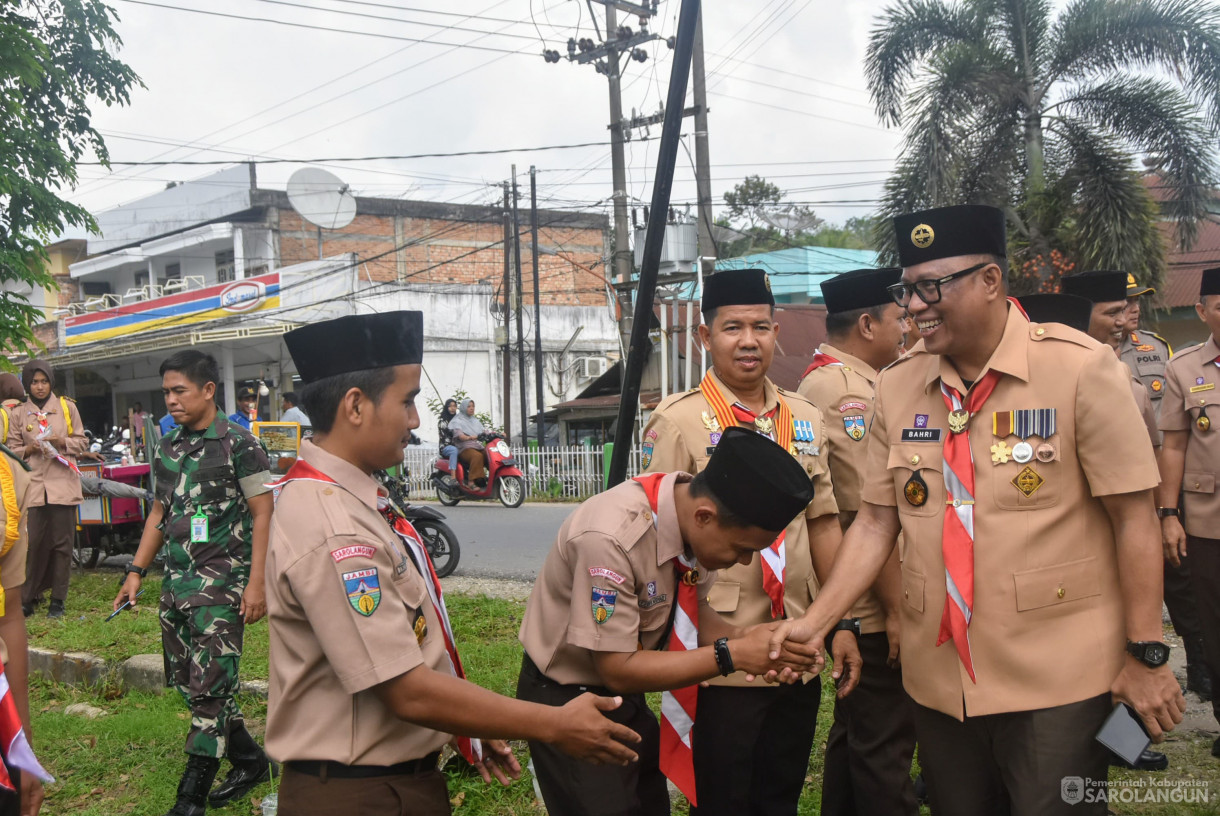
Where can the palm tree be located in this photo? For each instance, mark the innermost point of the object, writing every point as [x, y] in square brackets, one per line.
[1007, 104]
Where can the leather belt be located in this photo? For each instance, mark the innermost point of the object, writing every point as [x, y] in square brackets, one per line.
[324, 768]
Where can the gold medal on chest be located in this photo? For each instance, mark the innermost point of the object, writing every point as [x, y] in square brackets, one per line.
[958, 420]
[710, 422]
[764, 424]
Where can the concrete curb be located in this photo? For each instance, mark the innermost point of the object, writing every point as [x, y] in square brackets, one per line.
[144, 672]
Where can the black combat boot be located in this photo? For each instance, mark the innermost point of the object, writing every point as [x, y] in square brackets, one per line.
[1198, 678]
[251, 767]
[194, 786]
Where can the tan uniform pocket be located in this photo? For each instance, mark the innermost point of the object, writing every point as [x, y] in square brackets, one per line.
[1199, 482]
[1030, 486]
[927, 460]
[724, 596]
[913, 589]
[1056, 584]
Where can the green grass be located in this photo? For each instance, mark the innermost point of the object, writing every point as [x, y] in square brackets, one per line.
[128, 762]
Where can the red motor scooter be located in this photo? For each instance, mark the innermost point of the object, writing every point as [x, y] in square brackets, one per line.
[505, 482]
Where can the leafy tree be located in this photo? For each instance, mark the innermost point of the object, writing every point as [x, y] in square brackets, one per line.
[857, 232]
[744, 199]
[55, 62]
[1043, 114]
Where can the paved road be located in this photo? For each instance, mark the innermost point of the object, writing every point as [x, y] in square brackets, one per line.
[496, 542]
[500, 543]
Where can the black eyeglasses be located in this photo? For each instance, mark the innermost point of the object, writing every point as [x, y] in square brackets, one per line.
[928, 289]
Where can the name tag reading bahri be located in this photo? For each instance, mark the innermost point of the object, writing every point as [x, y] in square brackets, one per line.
[920, 435]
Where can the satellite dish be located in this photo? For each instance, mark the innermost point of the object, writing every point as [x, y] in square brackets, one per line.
[321, 198]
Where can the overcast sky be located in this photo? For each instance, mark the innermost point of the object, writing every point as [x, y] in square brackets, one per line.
[787, 98]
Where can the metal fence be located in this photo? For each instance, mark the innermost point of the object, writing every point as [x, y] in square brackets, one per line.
[552, 473]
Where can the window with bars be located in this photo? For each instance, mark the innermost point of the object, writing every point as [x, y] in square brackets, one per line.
[225, 267]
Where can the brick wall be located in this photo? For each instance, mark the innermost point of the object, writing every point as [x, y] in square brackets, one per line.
[433, 250]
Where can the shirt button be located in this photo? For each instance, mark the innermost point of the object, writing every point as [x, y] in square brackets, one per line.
[1040, 332]
[327, 491]
[915, 459]
[1196, 485]
[1060, 593]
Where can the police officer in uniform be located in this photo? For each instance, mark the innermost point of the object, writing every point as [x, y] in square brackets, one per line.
[1147, 359]
[870, 745]
[1188, 500]
[366, 680]
[1003, 433]
[212, 513]
[1146, 352]
[604, 612]
[751, 743]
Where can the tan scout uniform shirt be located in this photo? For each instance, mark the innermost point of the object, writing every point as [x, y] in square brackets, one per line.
[1047, 627]
[1147, 354]
[1192, 389]
[51, 482]
[680, 441]
[326, 654]
[608, 553]
[844, 393]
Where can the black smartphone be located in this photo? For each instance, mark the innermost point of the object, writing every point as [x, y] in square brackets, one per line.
[1123, 733]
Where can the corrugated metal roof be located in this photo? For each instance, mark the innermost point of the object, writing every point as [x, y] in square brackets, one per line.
[801, 270]
[1186, 268]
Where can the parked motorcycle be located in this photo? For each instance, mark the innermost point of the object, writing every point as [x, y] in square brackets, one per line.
[505, 482]
[438, 537]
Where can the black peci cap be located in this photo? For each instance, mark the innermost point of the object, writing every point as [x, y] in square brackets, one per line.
[757, 479]
[948, 232]
[1104, 286]
[1070, 310]
[1209, 284]
[737, 287]
[356, 343]
[859, 289]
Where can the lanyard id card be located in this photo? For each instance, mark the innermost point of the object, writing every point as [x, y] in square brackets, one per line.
[199, 528]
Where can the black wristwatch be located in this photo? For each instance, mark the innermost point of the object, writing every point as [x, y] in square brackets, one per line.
[140, 571]
[724, 660]
[847, 624]
[1166, 512]
[1152, 653]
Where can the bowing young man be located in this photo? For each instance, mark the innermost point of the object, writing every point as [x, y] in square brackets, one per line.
[366, 682]
[621, 606]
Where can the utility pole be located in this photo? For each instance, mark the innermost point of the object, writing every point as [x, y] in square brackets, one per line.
[538, 373]
[667, 154]
[525, 417]
[703, 161]
[618, 160]
[507, 355]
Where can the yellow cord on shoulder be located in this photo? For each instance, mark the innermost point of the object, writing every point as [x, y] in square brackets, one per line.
[12, 513]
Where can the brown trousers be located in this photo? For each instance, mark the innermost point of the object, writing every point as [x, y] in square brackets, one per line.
[422, 794]
[52, 529]
[574, 787]
[1022, 763]
[472, 458]
[870, 745]
[1205, 576]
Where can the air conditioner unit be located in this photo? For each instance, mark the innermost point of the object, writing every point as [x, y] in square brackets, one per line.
[590, 367]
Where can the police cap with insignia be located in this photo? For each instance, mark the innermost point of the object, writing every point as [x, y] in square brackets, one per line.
[859, 289]
[356, 343]
[1209, 284]
[757, 479]
[1135, 290]
[1070, 310]
[949, 232]
[737, 287]
[1104, 286]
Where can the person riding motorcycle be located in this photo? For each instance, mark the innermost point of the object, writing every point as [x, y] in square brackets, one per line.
[445, 436]
[466, 429]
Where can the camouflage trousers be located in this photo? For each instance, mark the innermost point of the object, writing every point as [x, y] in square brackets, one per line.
[202, 648]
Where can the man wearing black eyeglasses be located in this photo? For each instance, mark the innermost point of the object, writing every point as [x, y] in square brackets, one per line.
[1031, 582]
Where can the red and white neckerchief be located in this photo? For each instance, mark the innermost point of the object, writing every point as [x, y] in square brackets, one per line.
[957, 542]
[774, 559]
[44, 430]
[678, 706]
[820, 358]
[470, 748]
[14, 746]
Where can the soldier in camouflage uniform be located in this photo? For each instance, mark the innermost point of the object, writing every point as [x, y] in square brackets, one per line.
[213, 513]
